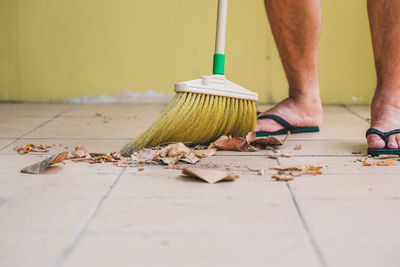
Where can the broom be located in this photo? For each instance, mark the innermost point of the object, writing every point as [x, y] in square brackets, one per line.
[204, 109]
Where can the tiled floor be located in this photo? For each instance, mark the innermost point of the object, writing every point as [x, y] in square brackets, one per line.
[101, 215]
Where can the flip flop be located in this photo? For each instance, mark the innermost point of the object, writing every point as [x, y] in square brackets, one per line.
[384, 136]
[286, 126]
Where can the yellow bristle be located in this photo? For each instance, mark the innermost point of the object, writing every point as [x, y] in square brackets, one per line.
[197, 119]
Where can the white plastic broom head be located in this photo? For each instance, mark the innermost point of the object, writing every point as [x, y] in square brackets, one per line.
[215, 85]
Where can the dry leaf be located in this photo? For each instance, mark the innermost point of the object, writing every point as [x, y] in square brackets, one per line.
[230, 143]
[291, 168]
[386, 162]
[181, 151]
[39, 167]
[283, 155]
[297, 147]
[203, 153]
[60, 157]
[40, 148]
[364, 163]
[288, 173]
[98, 114]
[209, 175]
[283, 177]
[271, 140]
[115, 155]
[387, 157]
[124, 163]
[140, 169]
[146, 155]
[272, 157]
[258, 171]
[250, 137]
[81, 152]
[173, 152]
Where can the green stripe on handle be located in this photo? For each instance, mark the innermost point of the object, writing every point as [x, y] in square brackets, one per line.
[219, 64]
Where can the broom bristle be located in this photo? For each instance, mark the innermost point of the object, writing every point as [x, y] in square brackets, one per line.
[197, 119]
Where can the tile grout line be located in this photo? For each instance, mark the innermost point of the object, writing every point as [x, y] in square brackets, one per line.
[39, 126]
[355, 113]
[310, 237]
[81, 229]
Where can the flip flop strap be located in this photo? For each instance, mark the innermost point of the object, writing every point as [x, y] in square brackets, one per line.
[383, 135]
[286, 125]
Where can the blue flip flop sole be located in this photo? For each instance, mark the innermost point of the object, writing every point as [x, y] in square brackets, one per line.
[286, 127]
[384, 136]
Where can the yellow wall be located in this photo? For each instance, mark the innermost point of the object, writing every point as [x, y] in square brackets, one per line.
[54, 49]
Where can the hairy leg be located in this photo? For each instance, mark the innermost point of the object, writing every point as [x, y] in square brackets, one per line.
[384, 19]
[296, 28]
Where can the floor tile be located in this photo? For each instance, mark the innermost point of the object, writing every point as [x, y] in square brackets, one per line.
[158, 183]
[347, 187]
[44, 215]
[338, 124]
[31, 249]
[12, 127]
[362, 110]
[33, 110]
[355, 233]
[133, 110]
[4, 142]
[233, 249]
[89, 127]
[119, 215]
[62, 185]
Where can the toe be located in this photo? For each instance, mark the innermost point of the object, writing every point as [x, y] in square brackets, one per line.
[398, 140]
[375, 141]
[392, 143]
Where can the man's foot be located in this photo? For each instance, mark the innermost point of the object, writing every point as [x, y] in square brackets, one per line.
[385, 116]
[298, 112]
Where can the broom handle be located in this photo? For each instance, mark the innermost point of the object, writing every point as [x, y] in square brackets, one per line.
[219, 56]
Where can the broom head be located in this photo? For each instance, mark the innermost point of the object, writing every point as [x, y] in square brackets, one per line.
[201, 111]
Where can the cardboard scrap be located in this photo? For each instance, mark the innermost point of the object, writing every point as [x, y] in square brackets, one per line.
[209, 175]
[40, 166]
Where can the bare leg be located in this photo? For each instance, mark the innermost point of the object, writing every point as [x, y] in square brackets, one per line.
[384, 18]
[296, 27]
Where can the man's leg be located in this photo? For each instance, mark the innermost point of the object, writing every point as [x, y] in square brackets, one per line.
[296, 27]
[384, 19]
